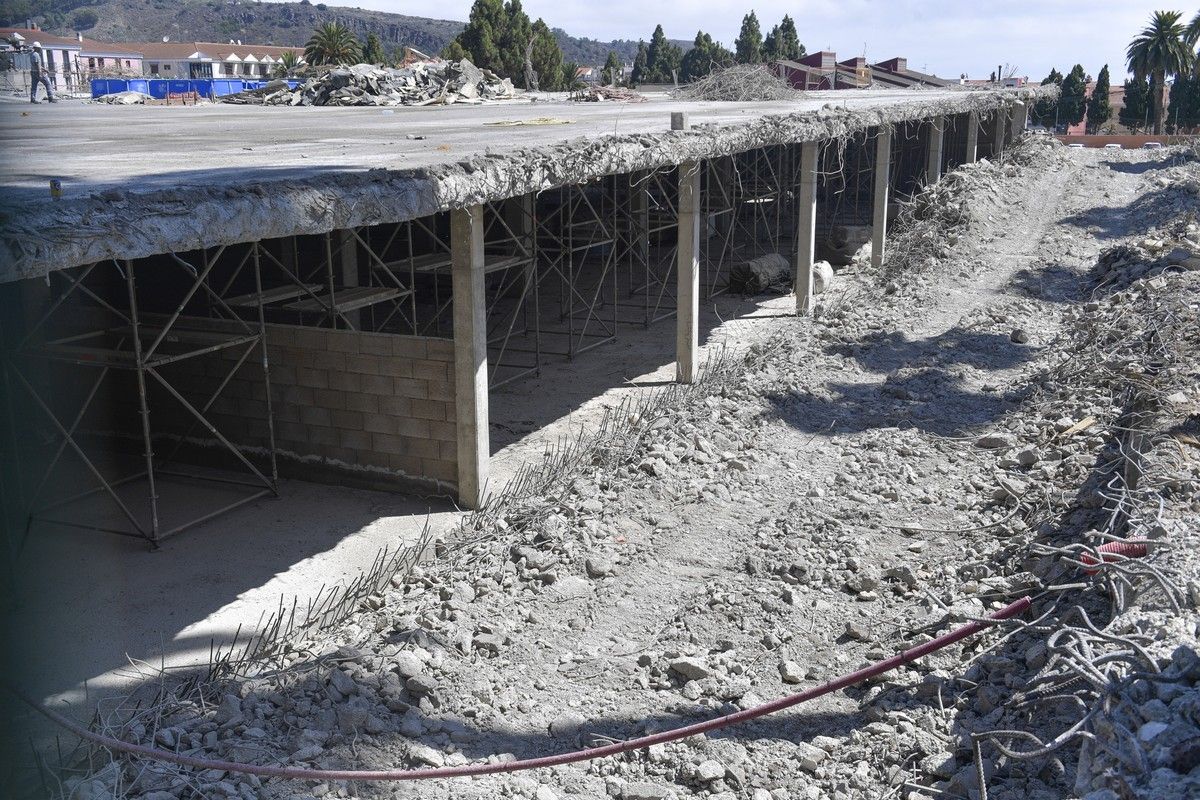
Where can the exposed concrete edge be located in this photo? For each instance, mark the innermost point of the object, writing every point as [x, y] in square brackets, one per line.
[69, 233]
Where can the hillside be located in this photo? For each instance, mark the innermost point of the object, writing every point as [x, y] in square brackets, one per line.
[261, 23]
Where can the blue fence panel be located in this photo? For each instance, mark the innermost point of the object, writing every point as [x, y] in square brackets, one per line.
[179, 87]
[138, 85]
[103, 86]
[157, 88]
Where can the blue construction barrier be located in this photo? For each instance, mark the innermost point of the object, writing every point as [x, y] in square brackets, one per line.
[103, 86]
[138, 85]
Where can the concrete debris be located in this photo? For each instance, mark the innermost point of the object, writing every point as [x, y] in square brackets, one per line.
[761, 273]
[421, 84]
[597, 94]
[127, 98]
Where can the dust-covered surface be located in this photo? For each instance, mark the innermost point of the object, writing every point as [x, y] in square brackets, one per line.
[209, 178]
[929, 446]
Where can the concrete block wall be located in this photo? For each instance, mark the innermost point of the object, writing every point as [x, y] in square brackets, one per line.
[370, 408]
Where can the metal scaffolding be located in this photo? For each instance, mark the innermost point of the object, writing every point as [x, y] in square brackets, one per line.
[111, 333]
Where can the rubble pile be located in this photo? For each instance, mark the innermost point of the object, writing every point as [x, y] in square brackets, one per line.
[596, 94]
[741, 83]
[930, 227]
[420, 84]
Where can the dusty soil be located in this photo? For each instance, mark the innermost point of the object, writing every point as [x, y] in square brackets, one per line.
[847, 486]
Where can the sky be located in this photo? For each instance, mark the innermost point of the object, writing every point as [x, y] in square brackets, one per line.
[942, 37]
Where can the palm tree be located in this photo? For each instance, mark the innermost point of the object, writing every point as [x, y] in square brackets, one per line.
[1159, 51]
[1192, 37]
[287, 64]
[332, 43]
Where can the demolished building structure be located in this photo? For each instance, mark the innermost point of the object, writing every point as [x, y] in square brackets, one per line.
[336, 305]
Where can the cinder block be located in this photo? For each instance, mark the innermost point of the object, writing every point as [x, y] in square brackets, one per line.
[434, 410]
[375, 345]
[369, 457]
[378, 384]
[441, 390]
[379, 423]
[396, 366]
[395, 406]
[345, 381]
[443, 431]
[409, 465]
[298, 395]
[425, 448]
[431, 371]
[436, 468]
[415, 428]
[311, 338]
[449, 451]
[328, 359]
[366, 403]
[328, 398]
[364, 364]
[410, 387]
[315, 415]
[440, 350]
[347, 420]
[413, 347]
[356, 440]
[314, 378]
[280, 335]
[291, 432]
[328, 437]
[392, 445]
[344, 341]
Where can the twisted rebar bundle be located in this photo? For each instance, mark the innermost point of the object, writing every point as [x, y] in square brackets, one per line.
[741, 83]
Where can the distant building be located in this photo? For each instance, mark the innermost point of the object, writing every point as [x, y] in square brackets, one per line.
[210, 60]
[71, 62]
[60, 55]
[822, 70]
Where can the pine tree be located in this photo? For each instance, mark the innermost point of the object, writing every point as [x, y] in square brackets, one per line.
[1045, 112]
[1099, 109]
[1072, 101]
[1135, 112]
[480, 37]
[455, 52]
[770, 46]
[546, 58]
[704, 56]
[788, 43]
[373, 50]
[1183, 113]
[638, 76]
[613, 68]
[513, 40]
[663, 59]
[748, 44]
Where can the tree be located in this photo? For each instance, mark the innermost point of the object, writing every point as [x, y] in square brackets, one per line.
[373, 50]
[638, 76]
[1158, 51]
[1099, 109]
[455, 52]
[546, 59]
[703, 57]
[748, 44]
[480, 37]
[613, 68]
[1072, 100]
[1045, 111]
[84, 19]
[287, 64]
[663, 59]
[770, 46]
[1184, 112]
[788, 40]
[332, 43]
[1136, 109]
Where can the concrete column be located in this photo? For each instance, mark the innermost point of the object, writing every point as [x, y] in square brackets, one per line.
[972, 154]
[347, 269]
[1020, 115]
[806, 228]
[934, 148]
[883, 168]
[687, 329]
[470, 354]
[1001, 125]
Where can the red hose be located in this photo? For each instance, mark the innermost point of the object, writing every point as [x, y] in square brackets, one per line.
[302, 773]
[1112, 552]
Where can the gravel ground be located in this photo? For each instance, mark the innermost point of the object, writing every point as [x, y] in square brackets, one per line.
[936, 441]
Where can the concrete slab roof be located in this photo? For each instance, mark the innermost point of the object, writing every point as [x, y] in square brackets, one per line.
[144, 180]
